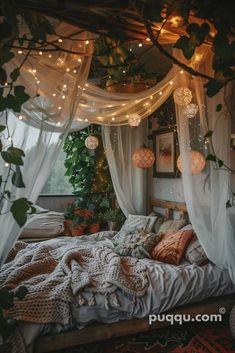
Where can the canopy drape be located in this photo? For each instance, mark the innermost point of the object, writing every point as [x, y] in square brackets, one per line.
[62, 101]
[206, 194]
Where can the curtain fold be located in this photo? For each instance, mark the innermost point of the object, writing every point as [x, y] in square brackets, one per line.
[129, 182]
[207, 193]
[41, 137]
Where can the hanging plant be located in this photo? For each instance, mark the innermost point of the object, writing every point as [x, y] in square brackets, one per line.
[88, 172]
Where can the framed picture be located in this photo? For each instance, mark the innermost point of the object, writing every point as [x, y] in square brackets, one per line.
[164, 143]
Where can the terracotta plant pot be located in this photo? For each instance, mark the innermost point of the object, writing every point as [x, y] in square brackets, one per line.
[67, 227]
[78, 230]
[94, 228]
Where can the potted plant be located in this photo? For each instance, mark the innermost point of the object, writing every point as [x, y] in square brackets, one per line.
[77, 220]
[69, 216]
[114, 218]
[94, 224]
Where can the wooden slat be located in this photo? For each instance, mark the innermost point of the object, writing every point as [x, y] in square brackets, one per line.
[178, 206]
[99, 332]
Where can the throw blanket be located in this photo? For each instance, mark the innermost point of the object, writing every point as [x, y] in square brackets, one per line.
[56, 277]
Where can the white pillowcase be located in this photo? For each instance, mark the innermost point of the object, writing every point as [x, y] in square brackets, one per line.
[138, 223]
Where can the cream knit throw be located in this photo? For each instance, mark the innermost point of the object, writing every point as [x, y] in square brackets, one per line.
[56, 278]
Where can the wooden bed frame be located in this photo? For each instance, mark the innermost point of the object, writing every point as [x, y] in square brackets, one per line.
[100, 332]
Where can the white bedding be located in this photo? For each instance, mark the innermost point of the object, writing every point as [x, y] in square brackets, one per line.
[169, 286]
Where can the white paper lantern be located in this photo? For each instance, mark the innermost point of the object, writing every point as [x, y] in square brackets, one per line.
[91, 142]
[190, 110]
[197, 162]
[143, 158]
[182, 96]
[134, 119]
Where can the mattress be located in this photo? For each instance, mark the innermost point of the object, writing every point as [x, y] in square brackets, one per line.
[169, 286]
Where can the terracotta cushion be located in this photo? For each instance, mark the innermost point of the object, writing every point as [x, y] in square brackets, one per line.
[172, 247]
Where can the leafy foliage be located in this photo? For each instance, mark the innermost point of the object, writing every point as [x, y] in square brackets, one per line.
[7, 298]
[88, 173]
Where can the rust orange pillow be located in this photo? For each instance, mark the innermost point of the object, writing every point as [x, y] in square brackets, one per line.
[172, 247]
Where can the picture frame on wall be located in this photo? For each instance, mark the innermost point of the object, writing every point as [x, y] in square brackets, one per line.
[166, 154]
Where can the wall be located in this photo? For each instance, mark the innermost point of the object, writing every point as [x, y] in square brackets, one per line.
[166, 189]
[172, 189]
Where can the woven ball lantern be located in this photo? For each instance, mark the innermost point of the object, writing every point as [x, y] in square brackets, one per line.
[190, 110]
[134, 119]
[91, 142]
[143, 158]
[197, 162]
[182, 96]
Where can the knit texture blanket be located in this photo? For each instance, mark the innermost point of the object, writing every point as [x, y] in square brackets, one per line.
[57, 277]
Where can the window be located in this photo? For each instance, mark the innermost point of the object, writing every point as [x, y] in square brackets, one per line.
[58, 183]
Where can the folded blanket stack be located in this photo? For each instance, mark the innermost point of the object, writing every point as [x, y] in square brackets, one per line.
[44, 225]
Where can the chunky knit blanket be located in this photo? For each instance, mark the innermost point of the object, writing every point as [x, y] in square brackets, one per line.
[57, 277]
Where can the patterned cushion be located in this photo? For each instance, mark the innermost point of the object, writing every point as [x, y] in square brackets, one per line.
[136, 222]
[160, 219]
[171, 225]
[136, 244]
[195, 253]
[172, 247]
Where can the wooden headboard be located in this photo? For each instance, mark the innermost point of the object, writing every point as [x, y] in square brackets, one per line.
[170, 207]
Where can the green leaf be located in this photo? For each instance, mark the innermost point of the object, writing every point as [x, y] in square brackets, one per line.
[3, 104]
[39, 26]
[3, 76]
[15, 74]
[6, 298]
[9, 12]
[15, 101]
[211, 157]
[218, 107]
[2, 128]
[17, 178]
[5, 55]
[21, 292]
[228, 204]
[13, 155]
[19, 210]
[8, 194]
[5, 30]
[220, 163]
[212, 87]
[208, 134]
[153, 12]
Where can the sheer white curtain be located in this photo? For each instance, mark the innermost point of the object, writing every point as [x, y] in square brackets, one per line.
[206, 193]
[129, 182]
[40, 129]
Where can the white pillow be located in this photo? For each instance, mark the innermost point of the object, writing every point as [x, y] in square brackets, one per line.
[138, 223]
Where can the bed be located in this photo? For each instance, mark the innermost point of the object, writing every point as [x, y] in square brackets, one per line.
[181, 289]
